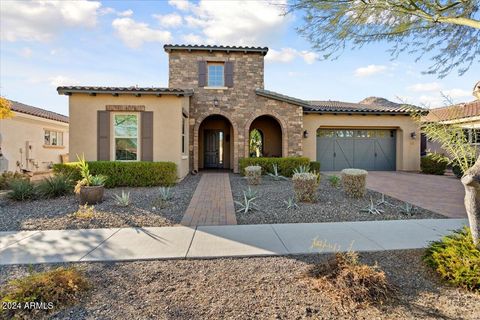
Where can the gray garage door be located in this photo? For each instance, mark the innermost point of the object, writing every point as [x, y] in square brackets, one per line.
[372, 150]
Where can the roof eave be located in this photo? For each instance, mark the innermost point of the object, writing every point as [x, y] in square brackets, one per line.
[283, 99]
[356, 112]
[169, 48]
[186, 93]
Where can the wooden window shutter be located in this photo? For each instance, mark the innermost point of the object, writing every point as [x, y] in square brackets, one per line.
[229, 74]
[202, 73]
[146, 129]
[103, 135]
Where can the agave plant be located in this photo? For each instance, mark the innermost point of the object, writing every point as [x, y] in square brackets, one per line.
[290, 203]
[123, 199]
[383, 202]
[276, 175]
[372, 208]
[166, 193]
[408, 209]
[250, 193]
[302, 169]
[247, 204]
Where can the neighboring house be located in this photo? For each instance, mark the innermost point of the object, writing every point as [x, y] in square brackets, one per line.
[33, 139]
[466, 115]
[215, 98]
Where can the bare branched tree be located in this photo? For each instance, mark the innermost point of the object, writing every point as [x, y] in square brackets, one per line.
[448, 31]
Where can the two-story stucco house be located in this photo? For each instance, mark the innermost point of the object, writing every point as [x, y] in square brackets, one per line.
[215, 98]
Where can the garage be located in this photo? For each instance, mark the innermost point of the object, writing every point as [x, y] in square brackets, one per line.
[369, 149]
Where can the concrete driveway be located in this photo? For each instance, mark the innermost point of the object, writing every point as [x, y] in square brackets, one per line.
[440, 194]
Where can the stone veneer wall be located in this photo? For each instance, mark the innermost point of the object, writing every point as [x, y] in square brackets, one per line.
[240, 104]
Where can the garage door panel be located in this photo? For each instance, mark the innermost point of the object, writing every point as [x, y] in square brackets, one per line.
[385, 154]
[343, 154]
[364, 154]
[325, 152]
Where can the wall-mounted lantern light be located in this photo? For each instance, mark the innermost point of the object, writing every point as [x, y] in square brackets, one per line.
[305, 134]
[413, 135]
[215, 102]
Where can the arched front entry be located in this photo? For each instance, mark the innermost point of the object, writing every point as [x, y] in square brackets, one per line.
[215, 140]
[265, 137]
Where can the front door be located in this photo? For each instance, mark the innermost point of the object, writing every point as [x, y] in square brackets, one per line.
[213, 149]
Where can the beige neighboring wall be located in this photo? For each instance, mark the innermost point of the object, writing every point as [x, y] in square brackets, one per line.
[408, 149]
[21, 128]
[167, 124]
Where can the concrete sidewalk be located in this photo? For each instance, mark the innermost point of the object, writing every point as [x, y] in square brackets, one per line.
[31, 247]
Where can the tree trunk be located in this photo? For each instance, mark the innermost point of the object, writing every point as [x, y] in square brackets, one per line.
[471, 182]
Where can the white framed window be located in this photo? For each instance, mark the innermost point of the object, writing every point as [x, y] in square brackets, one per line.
[184, 134]
[125, 136]
[52, 138]
[473, 135]
[215, 74]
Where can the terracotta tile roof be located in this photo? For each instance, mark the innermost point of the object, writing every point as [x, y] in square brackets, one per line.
[189, 47]
[140, 90]
[455, 112]
[370, 105]
[37, 112]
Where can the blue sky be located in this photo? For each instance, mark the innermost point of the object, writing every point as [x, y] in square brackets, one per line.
[120, 43]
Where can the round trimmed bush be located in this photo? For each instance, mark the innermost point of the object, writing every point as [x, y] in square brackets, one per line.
[433, 164]
[253, 174]
[354, 182]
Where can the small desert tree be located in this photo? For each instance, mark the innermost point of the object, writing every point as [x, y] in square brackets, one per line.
[5, 109]
[459, 152]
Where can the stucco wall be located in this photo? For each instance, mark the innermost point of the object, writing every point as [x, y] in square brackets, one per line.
[21, 128]
[407, 151]
[167, 125]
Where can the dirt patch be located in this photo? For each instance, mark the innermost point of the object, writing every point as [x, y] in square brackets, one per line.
[267, 288]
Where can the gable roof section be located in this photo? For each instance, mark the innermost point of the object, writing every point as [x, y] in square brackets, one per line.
[37, 112]
[68, 90]
[454, 112]
[189, 47]
[340, 106]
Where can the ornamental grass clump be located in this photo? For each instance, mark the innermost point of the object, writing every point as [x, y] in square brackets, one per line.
[253, 174]
[305, 186]
[55, 186]
[456, 259]
[40, 293]
[354, 182]
[21, 190]
[351, 283]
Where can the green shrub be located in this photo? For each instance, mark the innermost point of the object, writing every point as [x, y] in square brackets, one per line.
[126, 174]
[21, 190]
[59, 287]
[7, 176]
[315, 166]
[433, 164]
[285, 165]
[456, 259]
[55, 186]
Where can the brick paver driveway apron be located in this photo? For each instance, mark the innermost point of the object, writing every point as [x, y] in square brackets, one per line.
[212, 202]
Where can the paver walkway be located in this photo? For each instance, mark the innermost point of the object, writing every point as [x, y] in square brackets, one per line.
[441, 194]
[126, 244]
[212, 202]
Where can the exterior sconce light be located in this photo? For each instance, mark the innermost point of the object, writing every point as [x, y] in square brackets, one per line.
[413, 135]
[305, 134]
[215, 102]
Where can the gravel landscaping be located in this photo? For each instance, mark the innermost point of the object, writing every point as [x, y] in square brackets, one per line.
[145, 210]
[249, 288]
[332, 205]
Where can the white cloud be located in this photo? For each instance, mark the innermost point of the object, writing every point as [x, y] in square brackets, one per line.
[370, 70]
[180, 4]
[169, 20]
[26, 52]
[425, 87]
[126, 13]
[286, 55]
[60, 80]
[457, 93]
[431, 101]
[134, 34]
[42, 20]
[235, 22]
[192, 38]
